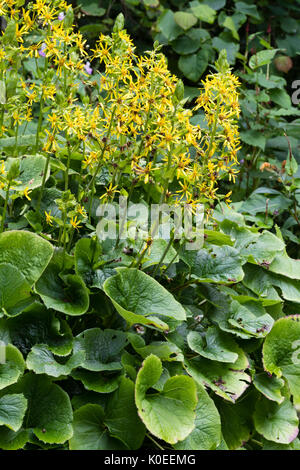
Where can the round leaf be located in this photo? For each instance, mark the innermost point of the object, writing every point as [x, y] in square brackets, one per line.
[27, 252]
[278, 423]
[49, 411]
[281, 352]
[90, 432]
[170, 414]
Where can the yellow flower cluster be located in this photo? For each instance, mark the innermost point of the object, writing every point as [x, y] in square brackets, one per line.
[220, 143]
[56, 47]
[131, 121]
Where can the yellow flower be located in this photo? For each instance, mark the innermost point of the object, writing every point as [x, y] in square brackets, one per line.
[26, 192]
[48, 218]
[232, 174]
[50, 144]
[49, 91]
[110, 192]
[75, 223]
[81, 210]
[185, 190]
[54, 120]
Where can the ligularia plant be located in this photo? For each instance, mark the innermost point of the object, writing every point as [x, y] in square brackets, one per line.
[114, 336]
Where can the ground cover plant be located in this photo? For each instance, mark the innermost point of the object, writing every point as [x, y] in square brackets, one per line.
[113, 335]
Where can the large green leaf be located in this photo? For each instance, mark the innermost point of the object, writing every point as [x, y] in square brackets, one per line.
[261, 282]
[190, 42]
[97, 382]
[166, 351]
[65, 293]
[227, 380]
[236, 420]
[102, 349]
[12, 410]
[27, 252]
[41, 361]
[168, 26]
[281, 353]
[185, 20]
[250, 10]
[269, 445]
[138, 296]
[257, 203]
[203, 12]
[10, 440]
[207, 432]
[28, 140]
[14, 289]
[215, 345]
[221, 265]
[158, 248]
[251, 318]
[263, 249]
[286, 266]
[269, 386]
[262, 58]
[90, 432]
[245, 319]
[278, 423]
[224, 41]
[168, 415]
[49, 412]
[38, 325]
[32, 168]
[194, 65]
[12, 368]
[91, 8]
[87, 254]
[121, 417]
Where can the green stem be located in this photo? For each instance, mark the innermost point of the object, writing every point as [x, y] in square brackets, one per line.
[81, 168]
[137, 263]
[71, 239]
[154, 441]
[92, 181]
[64, 236]
[170, 264]
[1, 118]
[43, 183]
[163, 255]
[68, 168]
[5, 208]
[40, 121]
[15, 152]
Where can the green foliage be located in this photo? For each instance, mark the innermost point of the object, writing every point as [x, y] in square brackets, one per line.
[140, 343]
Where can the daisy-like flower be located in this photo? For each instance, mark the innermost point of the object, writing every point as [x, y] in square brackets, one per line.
[48, 218]
[75, 223]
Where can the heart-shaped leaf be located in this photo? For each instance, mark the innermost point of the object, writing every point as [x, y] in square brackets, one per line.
[169, 414]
